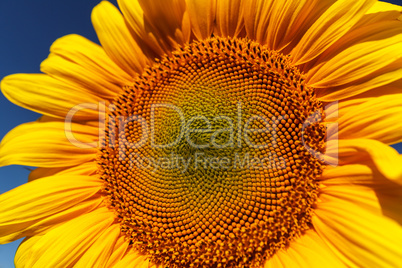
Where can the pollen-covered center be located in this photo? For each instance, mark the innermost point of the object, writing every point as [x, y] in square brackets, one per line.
[210, 156]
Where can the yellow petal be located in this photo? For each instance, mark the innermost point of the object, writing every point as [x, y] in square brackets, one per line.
[87, 169]
[381, 6]
[362, 196]
[381, 80]
[101, 250]
[348, 174]
[134, 259]
[46, 95]
[328, 28]
[44, 225]
[229, 17]
[381, 195]
[46, 145]
[63, 246]
[202, 16]
[377, 119]
[84, 64]
[369, 25]
[142, 30]
[24, 253]
[166, 16]
[364, 151]
[305, 14]
[23, 207]
[344, 106]
[309, 250]
[350, 221]
[118, 251]
[256, 18]
[186, 27]
[281, 21]
[116, 39]
[361, 59]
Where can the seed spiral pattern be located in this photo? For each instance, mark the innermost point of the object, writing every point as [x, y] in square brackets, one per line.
[210, 157]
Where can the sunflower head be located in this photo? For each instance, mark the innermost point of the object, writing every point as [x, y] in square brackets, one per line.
[233, 134]
[225, 172]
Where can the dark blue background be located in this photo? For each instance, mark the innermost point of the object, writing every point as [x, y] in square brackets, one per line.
[27, 29]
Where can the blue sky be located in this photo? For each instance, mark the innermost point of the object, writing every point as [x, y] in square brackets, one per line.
[27, 29]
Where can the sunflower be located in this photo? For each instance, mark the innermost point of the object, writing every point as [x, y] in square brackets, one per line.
[213, 133]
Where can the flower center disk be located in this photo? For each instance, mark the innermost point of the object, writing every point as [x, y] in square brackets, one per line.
[210, 156]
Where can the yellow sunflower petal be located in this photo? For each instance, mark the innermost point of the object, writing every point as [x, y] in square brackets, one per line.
[101, 250]
[44, 225]
[78, 76]
[354, 230]
[84, 64]
[381, 195]
[116, 39]
[63, 246]
[46, 95]
[24, 252]
[348, 174]
[46, 145]
[281, 21]
[375, 25]
[86, 169]
[377, 119]
[381, 6]
[229, 17]
[380, 48]
[344, 106]
[382, 80]
[256, 18]
[309, 250]
[167, 18]
[202, 16]
[142, 30]
[327, 29]
[29, 203]
[386, 159]
[133, 259]
[368, 28]
[118, 251]
[299, 23]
